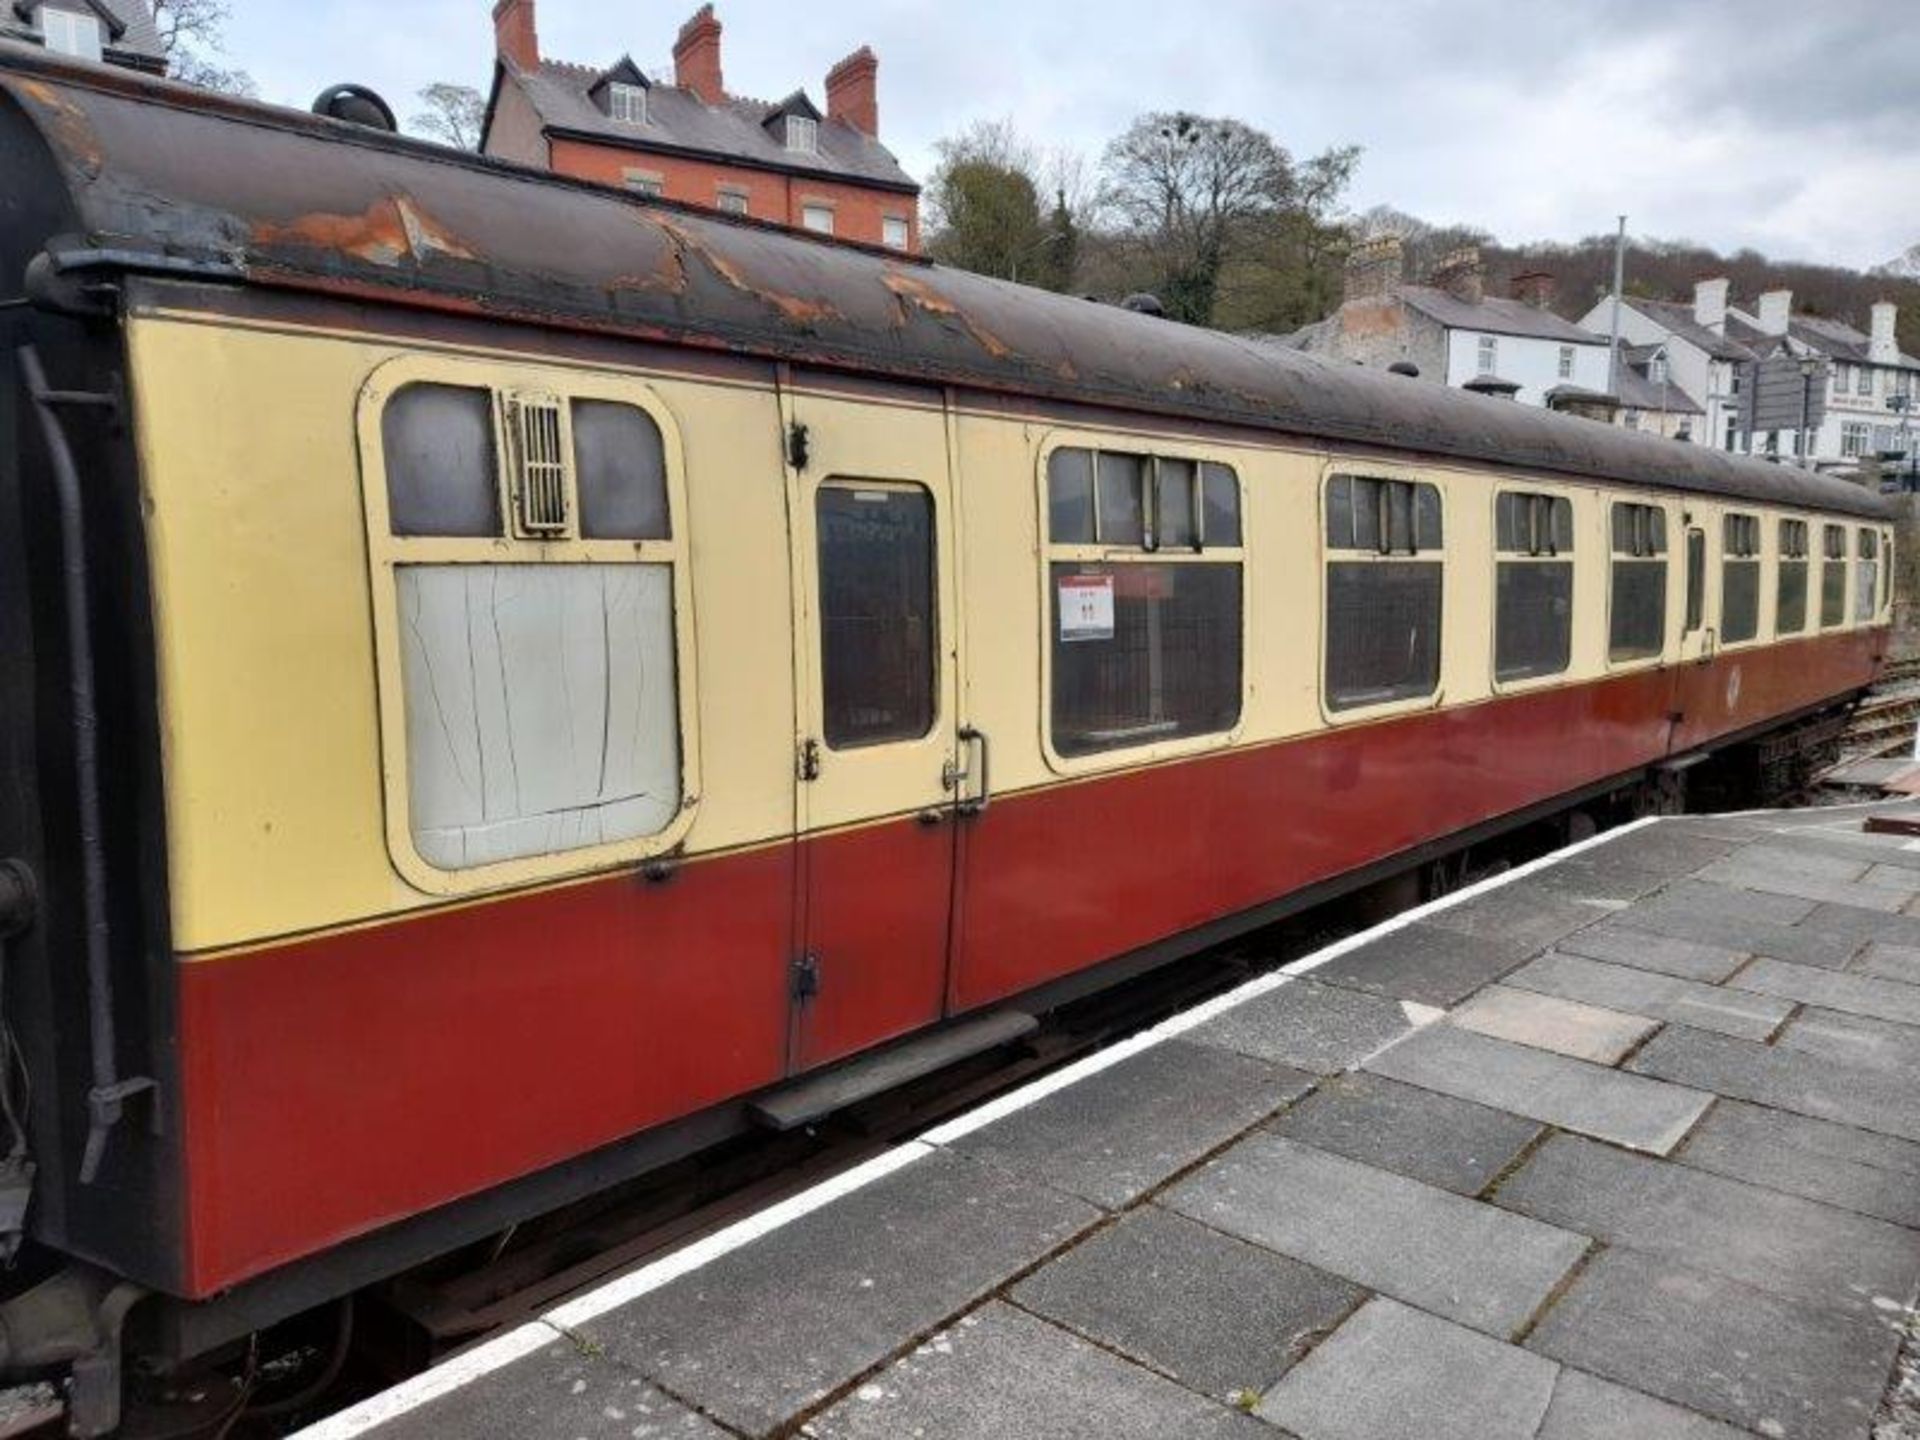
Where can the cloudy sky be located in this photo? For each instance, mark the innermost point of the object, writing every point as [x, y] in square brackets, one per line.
[1791, 126]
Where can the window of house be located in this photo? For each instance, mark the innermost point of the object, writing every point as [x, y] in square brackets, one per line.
[1842, 379]
[1739, 578]
[818, 218]
[1657, 370]
[1833, 576]
[1566, 362]
[1790, 595]
[644, 182]
[1145, 577]
[67, 32]
[1863, 380]
[627, 104]
[733, 202]
[1866, 576]
[1637, 626]
[1856, 438]
[893, 231]
[1630, 419]
[1489, 354]
[803, 134]
[1533, 584]
[878, 645]
[1384, 590]
[538, 667]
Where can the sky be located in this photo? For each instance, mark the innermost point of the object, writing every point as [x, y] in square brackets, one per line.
[1788, 126]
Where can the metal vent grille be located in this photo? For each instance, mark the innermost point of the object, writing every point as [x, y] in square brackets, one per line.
[540, 465]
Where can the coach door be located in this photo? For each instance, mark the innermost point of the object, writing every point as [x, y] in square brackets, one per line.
[1694, 699]
[872, 527]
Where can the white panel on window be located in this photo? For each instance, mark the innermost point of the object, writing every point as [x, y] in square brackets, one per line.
[541, 707]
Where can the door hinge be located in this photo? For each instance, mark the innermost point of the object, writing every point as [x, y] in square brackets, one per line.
[806, 977]
[808, 767]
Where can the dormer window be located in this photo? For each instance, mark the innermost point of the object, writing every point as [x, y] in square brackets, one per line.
[627, 104]
[66, 32]
[1657, 369]
[803, 134]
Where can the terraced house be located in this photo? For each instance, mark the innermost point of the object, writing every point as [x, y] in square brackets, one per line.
[786, 161]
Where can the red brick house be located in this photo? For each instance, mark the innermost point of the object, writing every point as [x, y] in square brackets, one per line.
[693, 142]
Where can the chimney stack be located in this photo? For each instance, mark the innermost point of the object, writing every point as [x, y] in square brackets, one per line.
[1460, 275]
[1881, 346]
[1373, 269]
[1710, 304]
[1535, 288]
[696, 57]
[513, 33]
[852, 92]
[1772, 311]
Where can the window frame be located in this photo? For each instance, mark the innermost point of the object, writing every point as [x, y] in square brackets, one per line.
[623, 96]
[732, 199]
[1828, 529]
[1670, 552]
[905, 242]
[1571, 557]
[386, 552]
[801, 135]
[1757, 557]
[1051, 552]
[823, 207]
[1802, 557]
[1325, 556]
[72, 24]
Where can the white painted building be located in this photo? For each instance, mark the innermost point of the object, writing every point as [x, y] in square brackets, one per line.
[1703, 362]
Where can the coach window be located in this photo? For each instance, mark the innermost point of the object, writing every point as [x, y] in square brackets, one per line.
[529, 576]
[1886, 574]
[1833, 576]
[1866, 577]
[1384, 583]
[1790, 609]
[1533, 583]
[877, 608]
[1144, 577]
[1739, 578]
[1637, 627]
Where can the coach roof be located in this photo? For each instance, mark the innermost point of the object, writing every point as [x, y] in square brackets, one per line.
[166, 178]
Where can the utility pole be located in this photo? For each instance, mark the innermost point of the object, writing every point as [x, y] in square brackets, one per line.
[1619, 280]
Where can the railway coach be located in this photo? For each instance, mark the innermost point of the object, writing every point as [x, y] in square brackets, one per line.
[507, 681]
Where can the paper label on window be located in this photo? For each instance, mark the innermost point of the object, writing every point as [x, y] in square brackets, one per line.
[1086, 607]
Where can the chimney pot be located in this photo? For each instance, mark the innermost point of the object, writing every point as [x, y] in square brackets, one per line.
[1882, 348]
[1535, 288]
[1773, 309]
[696, 57]
[1372, 269]
[1710, 304]
[1459, 274]
[853, 91]
[514, 37]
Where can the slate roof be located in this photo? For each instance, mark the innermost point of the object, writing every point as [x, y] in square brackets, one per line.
[1676, 317]
[1639, 392]
[679, 120]
[131, 37]
[1833, 338]
[1495, 314]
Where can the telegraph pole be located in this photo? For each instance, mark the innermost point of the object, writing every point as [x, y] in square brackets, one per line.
[1619, 280]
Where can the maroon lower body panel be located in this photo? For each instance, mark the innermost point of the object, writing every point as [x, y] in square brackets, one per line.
[338, 1084]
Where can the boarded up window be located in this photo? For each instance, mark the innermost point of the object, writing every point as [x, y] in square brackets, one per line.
[1833, 577]
[1384, 591]
[1790, 610]
[1739, 578]
[1533, 603]
[1637, 624]
[541, 706]
[877, 630]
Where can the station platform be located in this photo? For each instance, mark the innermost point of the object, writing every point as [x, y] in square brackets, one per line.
[1623, 1143]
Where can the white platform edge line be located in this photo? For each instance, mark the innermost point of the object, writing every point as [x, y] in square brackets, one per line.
[517, 1344]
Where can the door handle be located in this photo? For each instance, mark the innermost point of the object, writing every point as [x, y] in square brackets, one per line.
[978, 804]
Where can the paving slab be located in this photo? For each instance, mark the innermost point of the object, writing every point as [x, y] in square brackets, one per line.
[1701, 899]
[1854, 1040]
[1554, 1089]
[1811, 1158]
[1661, 954]
[1805, 1251]
[1320, 1028]
[1661, 997]
[1118, 1133]
[1001, 1373]
[1391, 1372]
[1887, 850]
[1668, 848]
[1215, 1313]
[1425, 964]
[1771, 881]
[1785, 1079]
[1832, 990]
[1454, 1257]
[1889, 962]
[561, 1390]
[1734, 930]
[766, 1331]
[1586, 1407]
[1794, 858]
[1898, 877]
[1519, 913]
[1548, 1022]
[1861, 925]
[1421, 1134]
[1597, 882]
[1727, 1350]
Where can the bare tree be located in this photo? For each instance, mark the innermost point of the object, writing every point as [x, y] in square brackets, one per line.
[998, 205]
[454, 115]
[191, 34]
